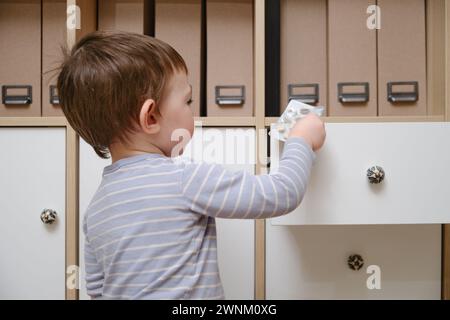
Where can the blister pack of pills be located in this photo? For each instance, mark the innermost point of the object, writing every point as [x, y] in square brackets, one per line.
[295, 110]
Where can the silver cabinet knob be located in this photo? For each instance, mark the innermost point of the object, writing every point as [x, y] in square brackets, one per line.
[375, 174]
[355, 262]
[48, 216]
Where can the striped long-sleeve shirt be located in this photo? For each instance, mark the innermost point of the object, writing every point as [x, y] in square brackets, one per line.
[150, 228]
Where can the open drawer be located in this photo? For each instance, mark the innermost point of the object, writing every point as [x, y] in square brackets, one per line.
[415, 158]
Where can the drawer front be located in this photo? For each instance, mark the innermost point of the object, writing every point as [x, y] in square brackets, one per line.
[20, 58]
[179, 24]
[303, 29]
[352, 59]
[32, 178]
[311, 262]
[212, 145]
[229, 70]
[123, 15]
[414, 157]
[54, 34]
[402, 58]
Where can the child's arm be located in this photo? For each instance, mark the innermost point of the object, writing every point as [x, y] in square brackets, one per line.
[212, 190]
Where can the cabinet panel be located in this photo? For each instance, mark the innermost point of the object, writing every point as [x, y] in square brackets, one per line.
[229, 25]
[310, 262]
[208, 144]
[54, 37]
[414, 157]
[178, 22]
[303, 51]
[352, 59]
[20, 57]
[123, 15]
[402, 58]
[32, 178]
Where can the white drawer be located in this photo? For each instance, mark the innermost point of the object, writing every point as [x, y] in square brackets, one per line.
[310, 262]
[414, 156]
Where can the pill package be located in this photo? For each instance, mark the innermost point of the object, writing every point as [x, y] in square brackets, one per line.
[295, 110]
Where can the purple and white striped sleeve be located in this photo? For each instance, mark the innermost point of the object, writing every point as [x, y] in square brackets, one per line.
[212, 190]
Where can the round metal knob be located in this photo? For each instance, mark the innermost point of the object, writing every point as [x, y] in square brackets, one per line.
[48, 216]
[355, 262]
[375, 174]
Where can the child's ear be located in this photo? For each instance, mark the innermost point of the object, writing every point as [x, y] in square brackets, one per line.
[147, 117]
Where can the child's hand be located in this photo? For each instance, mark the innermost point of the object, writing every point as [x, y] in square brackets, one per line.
[312, 129]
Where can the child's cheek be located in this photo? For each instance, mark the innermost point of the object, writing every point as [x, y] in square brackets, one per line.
[191, 125]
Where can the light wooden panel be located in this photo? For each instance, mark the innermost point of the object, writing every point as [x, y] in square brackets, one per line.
[261, 143]
[33, 122]
[446, 228]
[88, 23]
[270, 120]
[435, 57]
[227, 121]
[71, 206]
[446, 262]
